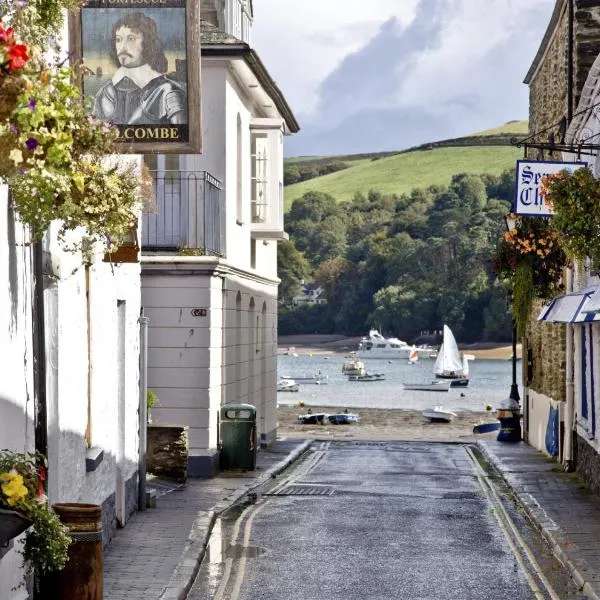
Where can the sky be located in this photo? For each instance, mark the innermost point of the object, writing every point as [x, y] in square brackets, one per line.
[376, 75]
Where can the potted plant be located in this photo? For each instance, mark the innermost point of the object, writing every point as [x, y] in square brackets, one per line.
[530, 258]
[24, 507]
[575, 201]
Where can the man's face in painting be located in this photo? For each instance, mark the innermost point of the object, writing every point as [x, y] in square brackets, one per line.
[129, 46]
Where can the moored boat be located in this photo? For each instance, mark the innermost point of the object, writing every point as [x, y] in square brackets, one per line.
[450, 362]
[318, 378]
[367, 377]
[287, 385]
[434, 386]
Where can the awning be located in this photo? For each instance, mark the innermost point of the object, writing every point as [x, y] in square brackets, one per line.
[578, 307]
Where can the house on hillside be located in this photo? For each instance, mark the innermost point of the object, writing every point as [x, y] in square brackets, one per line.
[310, 293]
[209, 250]
[561, 346]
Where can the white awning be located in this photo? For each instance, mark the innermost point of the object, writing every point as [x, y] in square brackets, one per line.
[578, 307]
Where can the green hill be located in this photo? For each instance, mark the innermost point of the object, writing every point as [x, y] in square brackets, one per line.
[434, 163]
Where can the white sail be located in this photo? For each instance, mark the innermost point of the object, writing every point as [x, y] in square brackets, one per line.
[449, 361]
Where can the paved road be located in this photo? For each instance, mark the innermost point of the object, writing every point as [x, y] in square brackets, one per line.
[380, 520]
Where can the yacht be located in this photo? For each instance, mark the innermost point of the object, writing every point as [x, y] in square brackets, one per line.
[377, 346]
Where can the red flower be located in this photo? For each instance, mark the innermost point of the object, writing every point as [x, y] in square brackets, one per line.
[17, 56]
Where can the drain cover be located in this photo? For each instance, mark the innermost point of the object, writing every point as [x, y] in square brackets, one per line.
[304, 490]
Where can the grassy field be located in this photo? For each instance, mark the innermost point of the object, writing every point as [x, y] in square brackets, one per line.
[403, 172]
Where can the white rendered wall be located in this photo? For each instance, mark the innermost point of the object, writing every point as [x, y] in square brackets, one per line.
[113, 382]
[16, 350]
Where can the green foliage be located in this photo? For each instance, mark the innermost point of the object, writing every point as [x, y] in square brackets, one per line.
[401, 173]
[21, 488]
[57, 171]
[38, 22]
[575, 199]
[151, 399]
[407, 263]
[293, 268]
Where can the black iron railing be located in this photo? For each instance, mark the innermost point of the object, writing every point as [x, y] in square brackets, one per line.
[187, 216]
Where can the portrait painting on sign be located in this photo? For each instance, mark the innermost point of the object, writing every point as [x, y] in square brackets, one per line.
[136, 72]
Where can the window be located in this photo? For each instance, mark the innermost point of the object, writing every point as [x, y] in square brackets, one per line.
[260, 180]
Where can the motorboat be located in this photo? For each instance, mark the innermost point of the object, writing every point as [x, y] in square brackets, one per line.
[287, 385]
[318, 378]
[450, 362]
[434, 386]
[376, 345]
[367, 377]
[439, 414]
[353, 367]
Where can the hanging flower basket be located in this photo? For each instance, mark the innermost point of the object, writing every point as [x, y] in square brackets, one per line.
[575, 201]
[12, 524]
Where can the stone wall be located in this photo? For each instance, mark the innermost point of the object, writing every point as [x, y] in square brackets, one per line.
[587, 42]
[587, 464]
[547, 342]
[168, 451]
[548, 83]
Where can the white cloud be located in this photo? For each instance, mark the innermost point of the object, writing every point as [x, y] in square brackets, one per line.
[302, 42]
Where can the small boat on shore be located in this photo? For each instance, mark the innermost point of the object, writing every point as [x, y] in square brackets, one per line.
[434, 386]
[343, 418]
[313, 419]
[439, 414]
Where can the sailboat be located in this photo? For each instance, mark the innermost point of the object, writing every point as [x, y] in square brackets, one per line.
[450, 363]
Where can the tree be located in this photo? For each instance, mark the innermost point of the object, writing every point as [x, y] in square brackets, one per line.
[292, 269]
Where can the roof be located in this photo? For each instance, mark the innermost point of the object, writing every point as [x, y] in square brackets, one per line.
[215, 42]
[558, 9]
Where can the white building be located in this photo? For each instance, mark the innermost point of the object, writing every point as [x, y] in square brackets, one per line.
[70, 377]
[209, 273]
[311, 293]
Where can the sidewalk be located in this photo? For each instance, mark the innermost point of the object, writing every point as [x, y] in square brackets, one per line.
[567, 516]
[159, 552]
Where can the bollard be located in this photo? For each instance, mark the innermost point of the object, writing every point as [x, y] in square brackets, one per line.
[82, 577]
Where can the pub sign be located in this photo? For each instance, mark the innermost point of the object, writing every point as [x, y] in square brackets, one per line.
[529, 200]
[141, 70]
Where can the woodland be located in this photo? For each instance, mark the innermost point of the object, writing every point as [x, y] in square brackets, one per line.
[404, 264]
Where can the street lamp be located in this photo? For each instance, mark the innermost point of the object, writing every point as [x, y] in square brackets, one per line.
[511, 223]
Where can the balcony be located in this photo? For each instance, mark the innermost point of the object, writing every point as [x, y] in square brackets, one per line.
[186, 217]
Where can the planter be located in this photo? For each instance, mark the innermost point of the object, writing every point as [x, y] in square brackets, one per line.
[127, 253]
[12, 524]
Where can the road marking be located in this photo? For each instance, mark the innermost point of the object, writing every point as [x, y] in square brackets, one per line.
[510, 531]
[247, 519]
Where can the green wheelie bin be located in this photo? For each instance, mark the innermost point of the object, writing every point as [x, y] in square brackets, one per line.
[238, 437]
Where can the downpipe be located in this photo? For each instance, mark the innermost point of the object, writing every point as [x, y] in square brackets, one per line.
[570, 389]
[143, 412]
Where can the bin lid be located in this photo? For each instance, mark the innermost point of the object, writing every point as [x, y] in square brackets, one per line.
[238, 411]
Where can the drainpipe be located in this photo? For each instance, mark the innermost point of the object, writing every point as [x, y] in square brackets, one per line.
[39, 351]
[143, 411]
[570, 388]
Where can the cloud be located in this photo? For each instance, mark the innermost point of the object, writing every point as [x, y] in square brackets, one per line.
[442, 69]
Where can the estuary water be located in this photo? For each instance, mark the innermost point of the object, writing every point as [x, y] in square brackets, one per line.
[489, 383]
